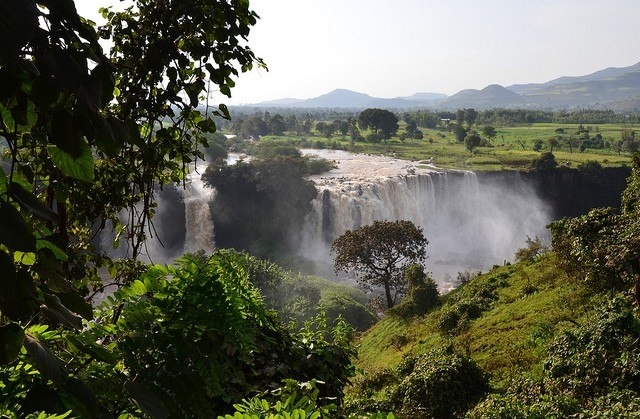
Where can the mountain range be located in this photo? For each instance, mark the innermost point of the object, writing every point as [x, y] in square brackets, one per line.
[612, 88]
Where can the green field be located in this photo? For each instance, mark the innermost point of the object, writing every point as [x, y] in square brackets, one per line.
[512, 148]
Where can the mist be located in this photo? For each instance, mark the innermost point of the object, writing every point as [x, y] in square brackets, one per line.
[472, 222]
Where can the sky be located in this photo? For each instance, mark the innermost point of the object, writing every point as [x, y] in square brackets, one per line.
[397, 48]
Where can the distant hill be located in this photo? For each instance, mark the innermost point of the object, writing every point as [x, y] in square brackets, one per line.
[492, 96]
[343, 98]
[611, 88]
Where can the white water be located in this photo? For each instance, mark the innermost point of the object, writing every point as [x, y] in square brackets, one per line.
[198, 222]
[191, 225]
[470, 224]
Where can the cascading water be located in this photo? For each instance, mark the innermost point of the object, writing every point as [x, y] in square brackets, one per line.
[470, 224]
[199, 227]
[182, 223]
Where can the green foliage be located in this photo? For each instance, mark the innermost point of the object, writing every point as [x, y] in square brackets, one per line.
[381, 121]
[469, 302]
[531, 251]
[199, 338]
[422, 295]
[438, 384]
[292, 401]
[599, 356]
[590, 372]
[258, 203]
[546, 161]
[380, 253]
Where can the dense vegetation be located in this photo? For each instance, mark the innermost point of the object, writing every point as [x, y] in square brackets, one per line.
[89, 136]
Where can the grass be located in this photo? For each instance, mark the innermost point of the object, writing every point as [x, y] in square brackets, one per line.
[537, 303]
[512, 147]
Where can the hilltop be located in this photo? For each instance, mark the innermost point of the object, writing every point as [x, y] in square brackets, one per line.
[610, 88]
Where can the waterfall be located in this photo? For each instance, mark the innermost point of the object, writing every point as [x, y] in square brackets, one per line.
[199, 230]
[470, 222]
[182, 223]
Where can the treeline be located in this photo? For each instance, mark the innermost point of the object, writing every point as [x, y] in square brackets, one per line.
[278, 121]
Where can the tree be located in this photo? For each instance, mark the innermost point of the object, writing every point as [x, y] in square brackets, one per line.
[472, 140]
[489, 132]
[460, 132]
[380, 121]
[380, 254]
[277, 125]
[91, 135]
[546, 161]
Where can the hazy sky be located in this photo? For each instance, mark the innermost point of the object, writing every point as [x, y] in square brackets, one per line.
[396, 48]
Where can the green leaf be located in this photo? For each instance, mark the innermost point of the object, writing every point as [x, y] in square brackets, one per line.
[138, 287]
[147, 400]
[25, 258]
[31, 203]
[207, 125]
[74, 302]
[14, 232]
[11, 339]
[58, 313]
[93, 349]
[110, 134]
[45, 244]
[80, 168]
[45, 361]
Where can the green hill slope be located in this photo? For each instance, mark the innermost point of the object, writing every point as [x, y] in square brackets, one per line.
[523, 340]
[500, 319]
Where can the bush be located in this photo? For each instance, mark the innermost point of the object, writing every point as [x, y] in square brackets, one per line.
[439, 384]
[597, 357]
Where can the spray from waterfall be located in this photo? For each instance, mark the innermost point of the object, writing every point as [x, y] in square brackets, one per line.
[471, 223]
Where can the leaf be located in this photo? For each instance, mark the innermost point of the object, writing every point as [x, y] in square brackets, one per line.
[74, 302]
[147, 400]
[207, 125]
[11, 339]
[18, 21]
[80, 168]
[45, 361]
[14, 232]
[25, 258]
[31, 203]
[45, 244]
[66, 133]
[110, 134]
[84, 395]
[56, 312]
[93, 349]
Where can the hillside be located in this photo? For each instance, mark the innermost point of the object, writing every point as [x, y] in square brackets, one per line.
[527, 326]
[527, 299]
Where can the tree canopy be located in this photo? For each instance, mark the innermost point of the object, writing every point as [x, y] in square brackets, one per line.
[380, 121]
[380, 253]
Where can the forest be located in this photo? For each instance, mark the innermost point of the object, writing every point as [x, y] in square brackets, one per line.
[90, 136]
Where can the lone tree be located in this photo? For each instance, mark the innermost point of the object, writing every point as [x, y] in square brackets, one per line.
[380, 254]
[381, 121]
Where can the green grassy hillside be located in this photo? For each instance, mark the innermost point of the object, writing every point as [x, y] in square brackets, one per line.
[518, 308]
[504, 321]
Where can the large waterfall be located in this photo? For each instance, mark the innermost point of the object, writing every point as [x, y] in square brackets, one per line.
[470, 224]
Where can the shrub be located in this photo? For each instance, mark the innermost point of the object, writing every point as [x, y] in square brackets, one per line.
[598, 356]
[439, 384]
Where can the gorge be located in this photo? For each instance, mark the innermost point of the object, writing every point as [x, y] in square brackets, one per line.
[472, 221]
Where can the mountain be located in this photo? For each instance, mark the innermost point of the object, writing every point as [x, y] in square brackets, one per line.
[343, 98]
[492, 96]
[610, 88]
